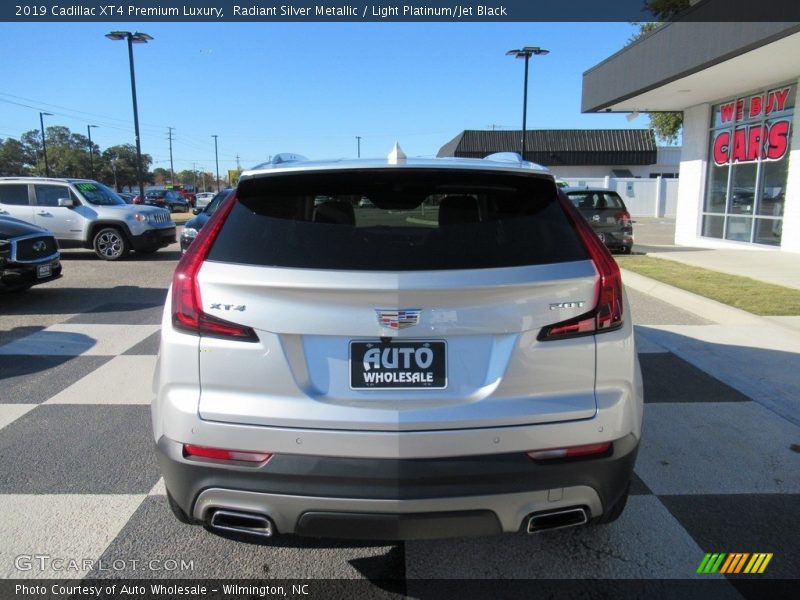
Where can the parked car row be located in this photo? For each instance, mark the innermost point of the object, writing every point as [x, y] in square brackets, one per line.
[169, 199]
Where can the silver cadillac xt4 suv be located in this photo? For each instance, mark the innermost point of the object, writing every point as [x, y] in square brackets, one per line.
[454, 357]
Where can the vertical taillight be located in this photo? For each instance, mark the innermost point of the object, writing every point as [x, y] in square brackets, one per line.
[187, 305]
[607, 314]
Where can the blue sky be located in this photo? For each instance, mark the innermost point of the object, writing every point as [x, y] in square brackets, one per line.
[265, 88]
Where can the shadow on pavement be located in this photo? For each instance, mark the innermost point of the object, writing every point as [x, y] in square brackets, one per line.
[44, 300]
[767, 376]
[89, 255]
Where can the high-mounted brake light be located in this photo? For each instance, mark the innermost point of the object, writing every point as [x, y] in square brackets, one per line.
[607, 314]
[187, 305]
[190, 450]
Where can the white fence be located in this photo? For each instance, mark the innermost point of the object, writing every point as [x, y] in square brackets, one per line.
[644, 197]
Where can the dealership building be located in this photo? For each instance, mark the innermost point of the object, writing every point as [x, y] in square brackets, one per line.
[737, 86]
[575, 153]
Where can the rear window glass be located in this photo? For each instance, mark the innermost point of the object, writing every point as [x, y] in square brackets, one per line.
[596, 200]
[397, 220]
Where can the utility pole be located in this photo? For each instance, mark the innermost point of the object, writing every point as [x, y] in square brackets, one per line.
[44, 144]
[216, 158]
[194, 178]
[238, 165]
[91, 149]
[171, 167]
[358, 138]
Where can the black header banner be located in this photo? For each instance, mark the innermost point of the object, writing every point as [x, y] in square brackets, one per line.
[384, 11]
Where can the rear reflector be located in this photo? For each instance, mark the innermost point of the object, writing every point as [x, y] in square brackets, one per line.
[222, 454]
[570, 452]
[607, 312]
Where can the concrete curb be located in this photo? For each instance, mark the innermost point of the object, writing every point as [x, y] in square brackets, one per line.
[693, 303]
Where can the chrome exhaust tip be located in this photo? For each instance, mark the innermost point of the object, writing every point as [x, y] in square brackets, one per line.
[239, 522]
[557, 519]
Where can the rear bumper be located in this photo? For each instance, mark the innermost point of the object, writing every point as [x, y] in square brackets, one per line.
[617, 241]
[397, 498]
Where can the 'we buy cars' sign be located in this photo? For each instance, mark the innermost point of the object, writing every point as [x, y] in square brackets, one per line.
[761, 140]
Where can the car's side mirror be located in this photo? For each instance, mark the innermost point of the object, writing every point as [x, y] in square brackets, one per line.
[66, 202]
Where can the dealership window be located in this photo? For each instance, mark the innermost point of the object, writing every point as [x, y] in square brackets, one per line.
[748, 166]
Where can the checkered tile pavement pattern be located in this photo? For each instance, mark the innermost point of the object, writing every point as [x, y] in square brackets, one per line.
[717, 472]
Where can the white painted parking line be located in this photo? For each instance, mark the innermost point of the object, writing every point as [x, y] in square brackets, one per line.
[122, 380]
[762, 362]
[11, 412]
[76, 339]
[61, 527]
[159, 489]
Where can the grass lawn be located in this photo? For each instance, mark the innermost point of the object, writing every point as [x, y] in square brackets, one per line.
[747, 294]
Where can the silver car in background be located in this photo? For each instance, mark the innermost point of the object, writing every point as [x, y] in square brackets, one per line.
[83, 213]
[456, 359]
[202, 199]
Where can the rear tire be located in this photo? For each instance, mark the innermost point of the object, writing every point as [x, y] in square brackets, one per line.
[110, 244]
[627, 249]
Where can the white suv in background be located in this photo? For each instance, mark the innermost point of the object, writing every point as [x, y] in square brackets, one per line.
[455, 358]
[82, 213]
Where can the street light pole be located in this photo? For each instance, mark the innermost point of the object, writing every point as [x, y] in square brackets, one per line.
[526, 53]
[358, 137]
[44, 144]
[216, 158]
[134, 38]
[91, 150]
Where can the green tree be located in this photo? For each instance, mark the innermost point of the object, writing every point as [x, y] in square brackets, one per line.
[14, 158]
[161, 176]
[117, 166]
[67, 152]
[666, 125]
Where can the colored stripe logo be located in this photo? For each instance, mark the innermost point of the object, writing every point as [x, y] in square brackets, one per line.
[735, 563]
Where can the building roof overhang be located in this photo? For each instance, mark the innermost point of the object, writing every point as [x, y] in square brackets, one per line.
[683, 64]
